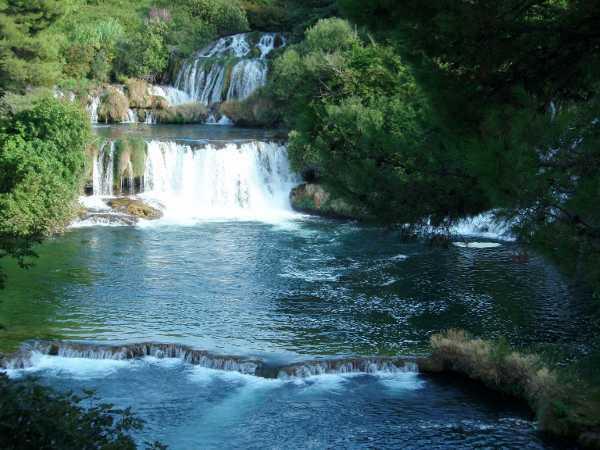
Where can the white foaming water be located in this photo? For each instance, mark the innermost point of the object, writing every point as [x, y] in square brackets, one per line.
[174, 96]
[479, 245]
[485, 226]
[239, 181]
[205, 76]
[103, 170]
[92, 108]
[246, 77]
[94, 202]
[76, 368]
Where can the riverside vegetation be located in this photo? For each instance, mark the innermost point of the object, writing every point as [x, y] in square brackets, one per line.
[400, 112]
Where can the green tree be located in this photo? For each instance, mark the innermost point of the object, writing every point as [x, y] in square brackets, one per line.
[41, 165]
[34, 417]
[29, 55]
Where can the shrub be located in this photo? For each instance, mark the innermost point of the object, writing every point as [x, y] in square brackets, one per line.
[35, 417]
[563, 406]
[330, 35]
[42, 162]
[114, 106]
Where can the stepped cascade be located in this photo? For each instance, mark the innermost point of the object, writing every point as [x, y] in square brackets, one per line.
[232, 179]
[231, 68]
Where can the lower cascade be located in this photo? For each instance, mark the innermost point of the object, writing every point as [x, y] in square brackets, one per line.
[368, 365]
[228, 180]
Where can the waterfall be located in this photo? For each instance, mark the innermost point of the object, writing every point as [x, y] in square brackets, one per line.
[103, 170]
[228, 69]
[247, 180]
[131, 116]
[92, 108]
[150, 118]
[252, 366]
[174, 96]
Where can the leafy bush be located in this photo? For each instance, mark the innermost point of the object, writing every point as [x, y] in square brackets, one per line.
[258, 110]
[42, 161]
[35, 417]
[29, 53]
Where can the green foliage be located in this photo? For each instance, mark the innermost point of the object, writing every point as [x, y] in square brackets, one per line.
[41, 165]
[145, 54]
[360, 117]
[195, 23]
[28, 53]
[494, 71]
[35, 417]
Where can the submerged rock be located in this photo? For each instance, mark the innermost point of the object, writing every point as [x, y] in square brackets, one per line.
[135, 207]
[312, 198]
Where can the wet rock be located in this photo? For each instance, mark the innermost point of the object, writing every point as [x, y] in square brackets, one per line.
[312, 198]
[135, 208]
[183, 114]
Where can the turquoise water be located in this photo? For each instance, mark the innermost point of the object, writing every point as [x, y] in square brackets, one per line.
[281, 292]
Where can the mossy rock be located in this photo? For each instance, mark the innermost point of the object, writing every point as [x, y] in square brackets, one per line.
[135, 207]
[138, 92]
[159, 102]
[314, 199]
[183, 114]
[114, 106]
[257, 111]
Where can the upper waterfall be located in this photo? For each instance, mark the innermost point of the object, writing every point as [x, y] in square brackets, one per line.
[231, 68]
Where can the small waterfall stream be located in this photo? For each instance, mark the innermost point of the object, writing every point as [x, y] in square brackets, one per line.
[231, 68]
[103, 170]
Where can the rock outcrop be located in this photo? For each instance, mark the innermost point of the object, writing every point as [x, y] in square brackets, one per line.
[312, 198]
[134, 207]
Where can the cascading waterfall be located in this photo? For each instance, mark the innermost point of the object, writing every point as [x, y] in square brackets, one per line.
[103, 170]
[174, 96]
[227, 69]
[251, 179]
[92, 108]
[202, 358]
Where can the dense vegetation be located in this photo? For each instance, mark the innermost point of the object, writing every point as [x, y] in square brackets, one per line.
[41, 167]
[33, 417]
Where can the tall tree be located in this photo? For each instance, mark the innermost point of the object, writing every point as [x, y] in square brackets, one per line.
[27, 55]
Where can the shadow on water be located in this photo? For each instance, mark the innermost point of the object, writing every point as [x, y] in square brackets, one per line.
[31, 300]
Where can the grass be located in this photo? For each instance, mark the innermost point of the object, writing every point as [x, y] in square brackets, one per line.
[565, 404]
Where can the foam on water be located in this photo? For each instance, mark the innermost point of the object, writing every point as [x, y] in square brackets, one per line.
[477, 245]
[248, 181]
[76, 368]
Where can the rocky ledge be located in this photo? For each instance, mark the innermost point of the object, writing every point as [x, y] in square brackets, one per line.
[118, 211]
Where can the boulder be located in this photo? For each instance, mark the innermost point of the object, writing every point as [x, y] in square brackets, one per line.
[134, 207]
[312, 198]
[114, 106]
[183, 114]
